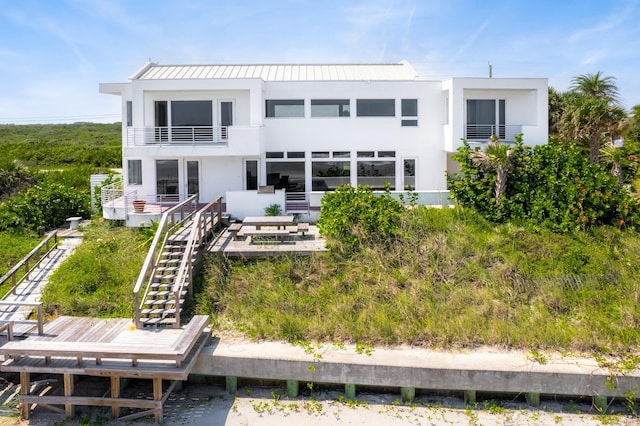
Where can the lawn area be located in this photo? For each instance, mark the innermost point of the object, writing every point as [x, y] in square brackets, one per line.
[450, 280]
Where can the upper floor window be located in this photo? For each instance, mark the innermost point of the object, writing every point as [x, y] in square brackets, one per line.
[330, 108]
[129, 114]
[376, 107]
[285, 108]
[191, 113]
[409, 109]
[485, 118]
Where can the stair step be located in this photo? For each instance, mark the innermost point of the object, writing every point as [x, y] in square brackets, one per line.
[164, 277]
[164, 293]
[161, 302]
[158, 312]
[158, 321]
[171, 254]
[168, 269]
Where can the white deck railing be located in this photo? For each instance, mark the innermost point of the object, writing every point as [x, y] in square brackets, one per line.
[183, 135]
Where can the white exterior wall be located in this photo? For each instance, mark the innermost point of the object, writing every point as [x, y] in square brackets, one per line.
[441, 124]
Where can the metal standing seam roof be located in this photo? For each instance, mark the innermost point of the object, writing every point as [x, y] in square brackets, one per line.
[283, 72]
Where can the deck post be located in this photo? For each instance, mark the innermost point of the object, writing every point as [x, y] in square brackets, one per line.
[350, 390]
[407, 394]
[533, 399]
[469, 397]
[292, 388]
[600, 402]
[157, 395]
[24, 390]
[231, 384]
[115, 393]
[69, 409]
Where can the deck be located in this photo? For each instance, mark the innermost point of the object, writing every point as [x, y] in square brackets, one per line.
[246, 246]
[110, 348]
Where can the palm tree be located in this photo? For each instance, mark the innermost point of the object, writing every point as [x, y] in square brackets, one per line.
[589, 118]
[612, 156]
[496, 156]
[597, 86]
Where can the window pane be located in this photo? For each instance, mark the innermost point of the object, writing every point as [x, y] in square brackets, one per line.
[330, 108]
[134, 172]
[320, 154]
[252, 174]
[275, 154]
[341, 154]
[377, 174]
[285, 108]
[376, 107]
[409, 123]
[365, 154]
[191, 113]
[328, 175]
[129, 114]
[167, 180]
[410, 174]
[286, 175]
[386, 153]
[481, 118]
[409, 107]
[295, 154]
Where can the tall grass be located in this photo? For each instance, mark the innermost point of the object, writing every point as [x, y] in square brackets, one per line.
[98, 279]
[450, 280]
[13, 247]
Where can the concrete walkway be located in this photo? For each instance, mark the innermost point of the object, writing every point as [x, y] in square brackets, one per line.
[30, 290]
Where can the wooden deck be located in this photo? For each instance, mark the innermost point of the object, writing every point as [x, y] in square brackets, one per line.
[245, 246]
[111, 348]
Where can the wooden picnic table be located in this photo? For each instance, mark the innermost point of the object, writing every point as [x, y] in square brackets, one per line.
[259, 221]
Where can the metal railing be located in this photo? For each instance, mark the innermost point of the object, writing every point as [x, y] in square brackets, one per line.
[482, 132]
[181, 135]
[203, 222]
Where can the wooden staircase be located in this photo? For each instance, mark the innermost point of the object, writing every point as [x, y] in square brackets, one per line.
[172, 261]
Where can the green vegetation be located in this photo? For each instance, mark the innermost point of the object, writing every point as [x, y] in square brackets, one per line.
[13, 247]
[98, 279]
[552, 186]
[60, 145]
[351, 215]
[451, 279]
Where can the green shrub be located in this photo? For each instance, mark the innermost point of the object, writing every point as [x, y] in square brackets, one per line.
[353, 216]
[551, 186]
[273, 210]
[46, 204]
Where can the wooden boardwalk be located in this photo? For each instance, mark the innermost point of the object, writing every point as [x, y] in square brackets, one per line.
[113, 348]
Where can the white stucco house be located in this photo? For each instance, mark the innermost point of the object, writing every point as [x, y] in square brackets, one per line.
[258, 134]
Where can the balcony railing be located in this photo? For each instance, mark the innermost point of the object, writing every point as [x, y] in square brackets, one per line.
[198, 135]
[482, 132]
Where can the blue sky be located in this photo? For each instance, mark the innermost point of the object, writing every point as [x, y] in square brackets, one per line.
[54, 53]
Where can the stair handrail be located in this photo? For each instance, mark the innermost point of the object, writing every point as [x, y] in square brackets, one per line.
[196, 239]
[166, 227]
[24, 263]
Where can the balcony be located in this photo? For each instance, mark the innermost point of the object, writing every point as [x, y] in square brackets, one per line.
[158, 136]
[482, 132]
[214, 140]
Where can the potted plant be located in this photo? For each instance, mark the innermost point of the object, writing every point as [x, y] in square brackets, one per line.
[138, 206]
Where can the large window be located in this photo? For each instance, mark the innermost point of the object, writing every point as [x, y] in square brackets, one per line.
[285, 108]
[329, 107]
[376, 107]
[129, 114]
[377, 174]
[167, 188]
[134, 172]
[191, 113]
[328, 175]
[484, 120]
[288, 175]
